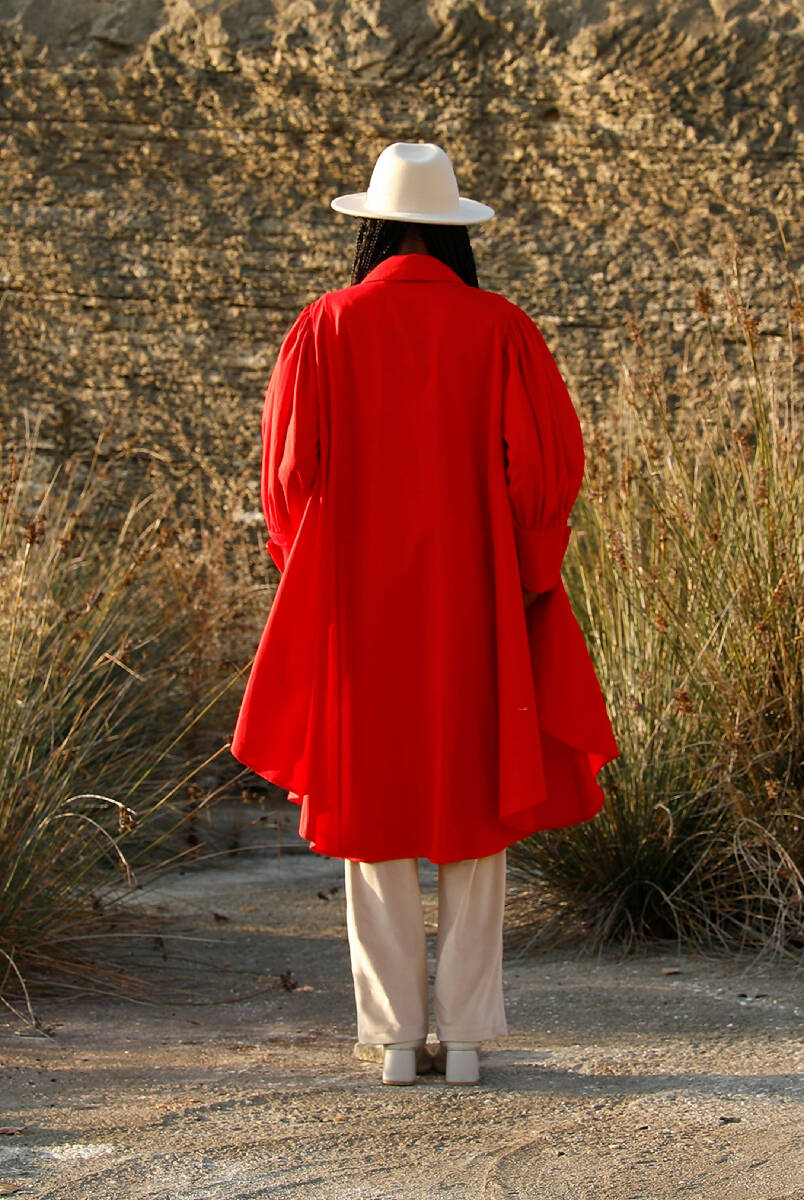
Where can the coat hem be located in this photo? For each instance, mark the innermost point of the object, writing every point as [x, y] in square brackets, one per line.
[516, 833]
[274, 775]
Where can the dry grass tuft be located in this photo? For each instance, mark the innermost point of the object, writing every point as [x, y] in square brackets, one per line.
[121, 623]
[688, 577]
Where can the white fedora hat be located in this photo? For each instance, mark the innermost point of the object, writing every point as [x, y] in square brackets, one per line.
[414, 181]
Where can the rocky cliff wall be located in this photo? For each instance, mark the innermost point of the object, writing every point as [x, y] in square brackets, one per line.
[167, 169]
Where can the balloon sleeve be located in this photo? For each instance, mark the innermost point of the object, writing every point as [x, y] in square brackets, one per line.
[544, 453]
[290, 437]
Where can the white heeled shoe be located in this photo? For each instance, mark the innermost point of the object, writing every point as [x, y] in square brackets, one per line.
[463, 1062]
[400, 1061]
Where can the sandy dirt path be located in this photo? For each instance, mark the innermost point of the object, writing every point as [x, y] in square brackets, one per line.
[617, 1081]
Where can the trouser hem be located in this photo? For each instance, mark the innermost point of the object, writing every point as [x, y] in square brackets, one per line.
[382, 1037]
[471, 1035]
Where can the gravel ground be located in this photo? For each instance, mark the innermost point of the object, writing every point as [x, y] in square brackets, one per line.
[620, 1078]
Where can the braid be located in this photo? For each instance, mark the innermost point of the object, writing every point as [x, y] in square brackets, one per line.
[451, 244]
[377, 239]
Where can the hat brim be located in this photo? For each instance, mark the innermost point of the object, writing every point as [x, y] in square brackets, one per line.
[469, 212]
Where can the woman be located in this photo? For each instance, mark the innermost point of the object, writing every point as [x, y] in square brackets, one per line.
[422, 687]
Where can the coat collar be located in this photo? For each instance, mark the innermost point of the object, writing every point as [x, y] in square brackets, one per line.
[401, 267]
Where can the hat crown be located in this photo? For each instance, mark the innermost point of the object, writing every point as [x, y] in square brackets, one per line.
[412, 177]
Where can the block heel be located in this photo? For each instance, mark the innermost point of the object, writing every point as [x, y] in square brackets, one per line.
[462, 1063]
[399, 1062]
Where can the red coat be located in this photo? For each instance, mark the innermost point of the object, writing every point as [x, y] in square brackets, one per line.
[401, 693]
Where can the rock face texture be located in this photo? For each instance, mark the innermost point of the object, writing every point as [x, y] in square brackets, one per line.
[167, 169]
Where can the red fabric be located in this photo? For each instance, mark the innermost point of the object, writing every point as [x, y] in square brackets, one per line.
[421, 458]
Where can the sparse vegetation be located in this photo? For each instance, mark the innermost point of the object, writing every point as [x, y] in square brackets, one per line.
[113, 640]
[688, 577]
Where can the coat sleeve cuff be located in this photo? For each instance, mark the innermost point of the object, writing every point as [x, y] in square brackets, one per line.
[278, 550]
[541, 553]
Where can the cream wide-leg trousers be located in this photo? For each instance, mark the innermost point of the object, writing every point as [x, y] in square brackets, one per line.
[388, 949]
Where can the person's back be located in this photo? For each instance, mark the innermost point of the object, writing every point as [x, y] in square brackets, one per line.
[413, 362]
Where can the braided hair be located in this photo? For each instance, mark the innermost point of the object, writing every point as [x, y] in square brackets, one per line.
[378, 238]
